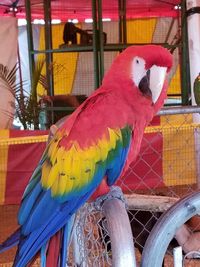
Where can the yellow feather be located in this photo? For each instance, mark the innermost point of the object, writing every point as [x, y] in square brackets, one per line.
[52, 145]
[92, 153]
[113, 138]
[87, 172]
[54, 188]
[53, 156]
[46, 167]
[62, 155]
[76, 170]
[65, 164]
[61, 185]
[68, 184]
[53, 174]
[104, 148]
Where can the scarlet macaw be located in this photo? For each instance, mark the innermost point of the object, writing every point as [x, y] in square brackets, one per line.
[96, 143]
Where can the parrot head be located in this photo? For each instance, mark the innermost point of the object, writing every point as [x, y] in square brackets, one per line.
[142, 69]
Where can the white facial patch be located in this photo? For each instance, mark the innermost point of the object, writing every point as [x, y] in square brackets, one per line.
[138, 70]
[156, 76]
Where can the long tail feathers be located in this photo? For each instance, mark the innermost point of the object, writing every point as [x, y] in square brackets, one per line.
[58, 246]
[66, 239]
[52, 258]
[12, 241]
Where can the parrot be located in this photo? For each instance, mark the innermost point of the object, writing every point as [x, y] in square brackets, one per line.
[90, 151]
[196, 88]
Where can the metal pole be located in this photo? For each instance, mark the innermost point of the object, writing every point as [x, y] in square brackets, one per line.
[48, 45]
[101, 44]
[95, 45]
[193, 22]
[118, 225]
[179, 110]
[120, 20]
[178, 257]
[30, 40]
[124, 22]
[185, 69]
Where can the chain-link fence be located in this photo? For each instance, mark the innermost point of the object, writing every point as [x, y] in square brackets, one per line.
[168, 166]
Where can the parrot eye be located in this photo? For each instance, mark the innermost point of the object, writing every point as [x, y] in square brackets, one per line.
[138, 70]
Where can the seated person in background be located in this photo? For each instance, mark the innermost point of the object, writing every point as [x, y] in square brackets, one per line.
[69, 33]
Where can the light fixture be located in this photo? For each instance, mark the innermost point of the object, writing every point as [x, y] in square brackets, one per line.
[55, 21]
[106, 19]
[21, 22]
[38, 21]
[73, 20]
[177, 7]
[42, 22]
[90, 20]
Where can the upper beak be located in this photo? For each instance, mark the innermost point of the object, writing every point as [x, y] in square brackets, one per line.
[156, 81]
[152, 83]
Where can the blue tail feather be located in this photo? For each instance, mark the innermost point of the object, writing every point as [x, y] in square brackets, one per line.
[12, 241]
[67, 231]
[33, 242]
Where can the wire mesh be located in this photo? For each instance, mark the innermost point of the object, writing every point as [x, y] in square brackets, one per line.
[167, 165]
[168, 162]
[92, 239]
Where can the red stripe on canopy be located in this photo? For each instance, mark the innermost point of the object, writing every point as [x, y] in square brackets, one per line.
[22, 160]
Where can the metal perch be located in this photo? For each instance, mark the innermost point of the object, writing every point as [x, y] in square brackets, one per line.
[113, 207]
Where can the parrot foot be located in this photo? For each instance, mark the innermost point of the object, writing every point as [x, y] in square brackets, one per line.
[114, 193]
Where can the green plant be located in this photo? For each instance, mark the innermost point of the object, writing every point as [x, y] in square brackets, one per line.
[26, 104]
[27, 107]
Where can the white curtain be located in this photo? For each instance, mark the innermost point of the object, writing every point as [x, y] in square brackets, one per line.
[8, 57]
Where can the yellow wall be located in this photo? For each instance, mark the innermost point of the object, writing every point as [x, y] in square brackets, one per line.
[179, 159]
[140, 30]
[64, 64]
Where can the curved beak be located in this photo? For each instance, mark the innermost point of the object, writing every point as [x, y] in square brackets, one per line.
[156, 81]
[152, 83]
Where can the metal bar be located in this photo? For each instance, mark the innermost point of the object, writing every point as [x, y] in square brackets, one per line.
[124, 22]
[120, 20]
[101, 44]
[185, 69]
[48, 45]
[179, 110]
[169, 30]
[162, 112]
[107, 47]
[95, 45]
[58, 108]
[178, 257]
[30, 40]
[120, 233]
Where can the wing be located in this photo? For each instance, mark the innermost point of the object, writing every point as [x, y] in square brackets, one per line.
[72, 167]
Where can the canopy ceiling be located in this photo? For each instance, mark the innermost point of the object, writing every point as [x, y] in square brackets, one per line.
[81, 9]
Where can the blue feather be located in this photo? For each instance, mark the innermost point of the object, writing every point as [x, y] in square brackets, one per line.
[31, 244]
[12, 241]
[28, 203]
[67, 231]
[43, 257]
[116, 166]
[44, 205]
[35, 177]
